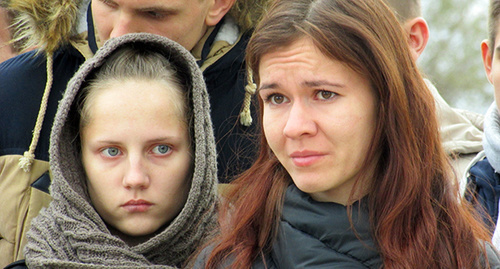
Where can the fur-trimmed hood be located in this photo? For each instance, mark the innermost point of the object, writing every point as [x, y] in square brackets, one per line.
[48, 24]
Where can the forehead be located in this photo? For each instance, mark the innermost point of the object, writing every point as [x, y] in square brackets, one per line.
[142, 4]
[135, 92]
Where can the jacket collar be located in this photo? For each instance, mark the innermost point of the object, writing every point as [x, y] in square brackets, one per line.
[491, 139]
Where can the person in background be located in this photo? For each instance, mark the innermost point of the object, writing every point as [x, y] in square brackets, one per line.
[351, 172]
[133, 161]
[8, 49]
[484, 175]
[461, 130]
[32, 84]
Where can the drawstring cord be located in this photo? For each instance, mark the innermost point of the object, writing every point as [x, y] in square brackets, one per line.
[29, 156]
[250, 88]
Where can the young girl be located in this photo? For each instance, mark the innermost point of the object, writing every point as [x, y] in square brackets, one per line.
[351, 171]
[133, 162]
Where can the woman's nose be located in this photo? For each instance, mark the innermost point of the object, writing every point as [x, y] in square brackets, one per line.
[299, 121]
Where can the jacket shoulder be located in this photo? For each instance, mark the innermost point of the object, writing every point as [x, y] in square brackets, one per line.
[483, 190]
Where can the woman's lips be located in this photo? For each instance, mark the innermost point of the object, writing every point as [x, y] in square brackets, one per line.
[306, 158]
[137, 206]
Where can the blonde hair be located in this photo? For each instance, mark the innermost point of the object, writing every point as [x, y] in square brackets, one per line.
[131, 63]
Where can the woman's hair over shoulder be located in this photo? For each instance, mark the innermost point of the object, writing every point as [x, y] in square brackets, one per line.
[415, 213]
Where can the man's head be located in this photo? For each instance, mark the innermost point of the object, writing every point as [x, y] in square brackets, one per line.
[409, 15]
[490, 49]
[184, 21]
[405, 9]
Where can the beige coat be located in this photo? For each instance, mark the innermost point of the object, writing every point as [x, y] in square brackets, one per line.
[461, 132]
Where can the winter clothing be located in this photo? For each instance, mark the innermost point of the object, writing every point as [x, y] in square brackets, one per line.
[71, 234]
[24, 194]
[319, 235]
[484, 174]
[461, 133]
[323, 233]
[220, 54]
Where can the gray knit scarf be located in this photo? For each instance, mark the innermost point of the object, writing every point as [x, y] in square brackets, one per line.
[491, 139]
[71, 234]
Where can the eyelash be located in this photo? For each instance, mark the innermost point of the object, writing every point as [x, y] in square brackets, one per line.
[155, 15]
[269, 98]
[105, 152]
[108, 3]
[169, 150]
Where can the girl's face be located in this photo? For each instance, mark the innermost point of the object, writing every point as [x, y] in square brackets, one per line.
[137, 156]
[319, 119]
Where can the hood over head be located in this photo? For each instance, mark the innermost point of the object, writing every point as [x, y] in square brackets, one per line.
[71, 218]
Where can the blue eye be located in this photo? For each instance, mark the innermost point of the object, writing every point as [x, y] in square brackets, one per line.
[161, 149]
[111, 152]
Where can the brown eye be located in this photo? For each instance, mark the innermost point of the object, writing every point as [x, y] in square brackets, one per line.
[277, 99]
[325, 95]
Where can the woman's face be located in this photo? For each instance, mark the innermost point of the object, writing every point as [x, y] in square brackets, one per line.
[319, 119]
[137, 156]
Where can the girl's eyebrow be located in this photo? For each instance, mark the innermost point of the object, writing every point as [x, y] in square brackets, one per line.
[268, 86]
[312, 83]
[316, 83]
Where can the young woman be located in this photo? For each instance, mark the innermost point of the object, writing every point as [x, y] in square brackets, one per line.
[351, 172]
[133, 162]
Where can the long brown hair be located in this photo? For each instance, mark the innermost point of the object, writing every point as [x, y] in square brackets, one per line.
[416, 215]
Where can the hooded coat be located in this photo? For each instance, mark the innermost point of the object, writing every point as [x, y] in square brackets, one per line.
[71, 234]
[59, 30]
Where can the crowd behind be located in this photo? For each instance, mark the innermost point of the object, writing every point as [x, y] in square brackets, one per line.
[239, 134]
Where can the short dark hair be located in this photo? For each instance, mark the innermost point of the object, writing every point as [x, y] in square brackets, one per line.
[493, 19]
[405, 9]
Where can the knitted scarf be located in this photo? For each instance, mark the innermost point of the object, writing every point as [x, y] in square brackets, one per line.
[71, 234]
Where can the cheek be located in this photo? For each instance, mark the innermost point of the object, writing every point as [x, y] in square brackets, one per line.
[102, 20]
[271, 127]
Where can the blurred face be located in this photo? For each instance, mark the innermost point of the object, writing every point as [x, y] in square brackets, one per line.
[136, 153]
[6, 50]
[319, 119]
[184, 21]
[492, 65]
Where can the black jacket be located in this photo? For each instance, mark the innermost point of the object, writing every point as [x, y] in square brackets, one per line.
[483, 183]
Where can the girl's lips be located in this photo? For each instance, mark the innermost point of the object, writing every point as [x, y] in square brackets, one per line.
[305, 158]
[137, 206]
